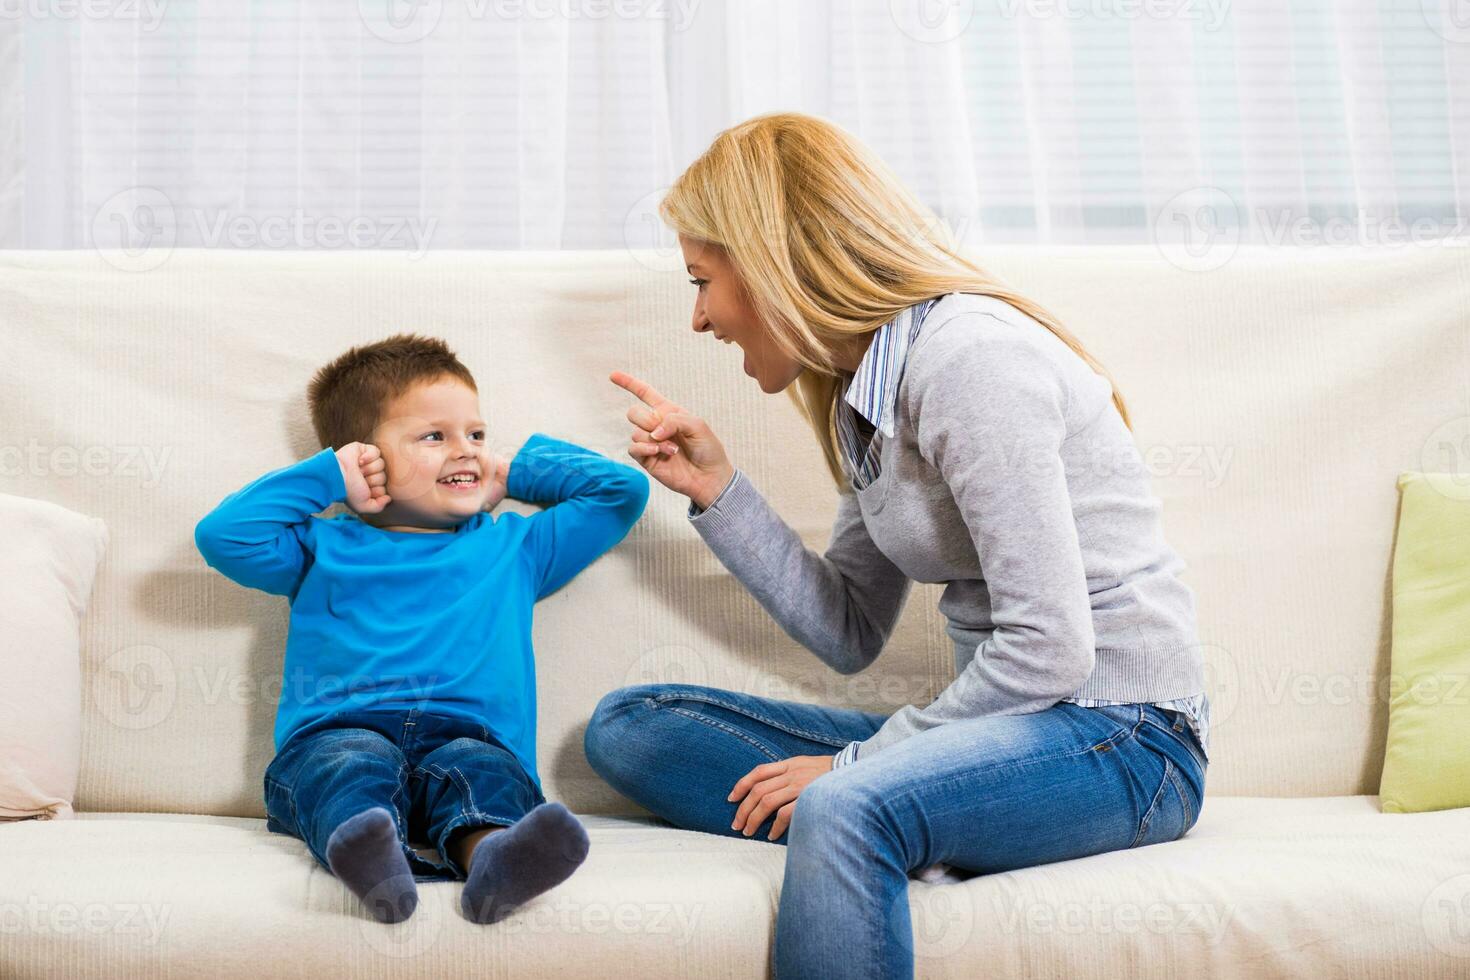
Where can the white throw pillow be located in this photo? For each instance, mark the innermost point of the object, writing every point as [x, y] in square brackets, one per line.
[48, 561]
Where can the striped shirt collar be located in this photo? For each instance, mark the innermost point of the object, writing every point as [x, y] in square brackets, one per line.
[873, 391]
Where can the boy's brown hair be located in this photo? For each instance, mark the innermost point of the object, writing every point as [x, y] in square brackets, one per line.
[347, 396]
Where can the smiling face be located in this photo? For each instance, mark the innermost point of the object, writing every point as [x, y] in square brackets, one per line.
[723, 308]
[428, 434]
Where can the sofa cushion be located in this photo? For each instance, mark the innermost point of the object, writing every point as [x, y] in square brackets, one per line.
[1426, 765]
[1260, 887]
[48, 562]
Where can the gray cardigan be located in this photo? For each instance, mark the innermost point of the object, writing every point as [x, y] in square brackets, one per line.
[1007, 456]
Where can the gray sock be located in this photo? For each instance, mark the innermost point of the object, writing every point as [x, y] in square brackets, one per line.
[364, 852]
[514, 865]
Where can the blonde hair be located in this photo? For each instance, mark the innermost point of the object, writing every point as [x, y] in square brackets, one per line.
[829, 245]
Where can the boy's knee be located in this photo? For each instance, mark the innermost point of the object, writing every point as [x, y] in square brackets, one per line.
[340, 745]
[456, 748]
[471, 758]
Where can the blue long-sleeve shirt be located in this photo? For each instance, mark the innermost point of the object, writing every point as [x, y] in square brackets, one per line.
[392, 617]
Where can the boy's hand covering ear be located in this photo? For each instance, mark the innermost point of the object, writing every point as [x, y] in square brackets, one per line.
[365, 474]
[495, 487]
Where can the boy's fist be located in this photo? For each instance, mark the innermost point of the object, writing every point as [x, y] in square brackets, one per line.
[366, 475]
[496, 484]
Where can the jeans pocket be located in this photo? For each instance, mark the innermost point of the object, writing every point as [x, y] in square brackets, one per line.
[1124, 716]
[1177, 724]
[1186, 800]
[1170, 813]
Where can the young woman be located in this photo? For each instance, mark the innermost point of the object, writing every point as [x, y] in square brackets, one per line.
[975, 444]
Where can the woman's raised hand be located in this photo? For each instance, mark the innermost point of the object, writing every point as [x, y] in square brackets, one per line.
[675, 448]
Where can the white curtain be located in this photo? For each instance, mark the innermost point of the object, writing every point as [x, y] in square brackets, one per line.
[549, 124]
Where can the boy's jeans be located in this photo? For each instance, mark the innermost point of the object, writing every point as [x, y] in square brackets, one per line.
[988, 795]
[434, 772]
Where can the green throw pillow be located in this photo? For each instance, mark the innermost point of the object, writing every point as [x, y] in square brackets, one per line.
[1427, 763]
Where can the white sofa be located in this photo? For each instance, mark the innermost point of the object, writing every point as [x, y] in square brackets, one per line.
[1275, 399]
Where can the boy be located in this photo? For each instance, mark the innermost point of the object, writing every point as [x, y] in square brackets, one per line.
[409, 697]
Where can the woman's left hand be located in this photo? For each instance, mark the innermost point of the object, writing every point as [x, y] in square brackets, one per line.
[774, 787]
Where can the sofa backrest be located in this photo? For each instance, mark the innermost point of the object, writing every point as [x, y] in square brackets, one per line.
[1274, 400]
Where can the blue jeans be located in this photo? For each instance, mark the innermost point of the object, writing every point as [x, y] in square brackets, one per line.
[988, 795]
[440, 775]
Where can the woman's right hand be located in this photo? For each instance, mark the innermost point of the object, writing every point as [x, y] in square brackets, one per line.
[675, 448]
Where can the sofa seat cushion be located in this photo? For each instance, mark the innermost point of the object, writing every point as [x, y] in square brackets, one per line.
[1259, 887]
[1263, 887]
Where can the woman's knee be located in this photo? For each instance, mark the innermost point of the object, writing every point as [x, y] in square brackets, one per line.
[839, 806]
[603, 742]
